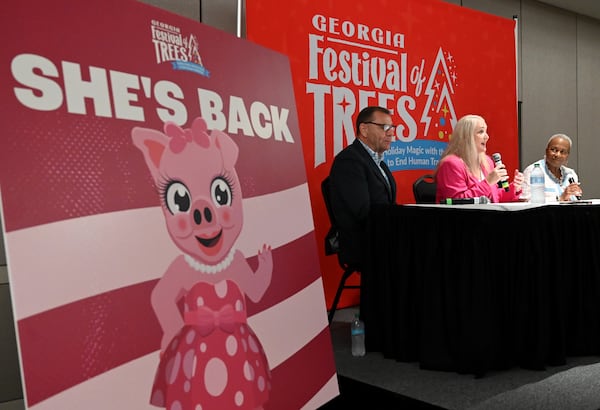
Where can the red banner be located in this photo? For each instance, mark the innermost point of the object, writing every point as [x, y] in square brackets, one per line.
[428, 61]
[158, 225]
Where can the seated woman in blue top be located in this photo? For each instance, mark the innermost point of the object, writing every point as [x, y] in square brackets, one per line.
[466, 171]
[562, 182]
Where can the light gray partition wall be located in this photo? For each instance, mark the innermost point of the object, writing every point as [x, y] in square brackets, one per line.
[221, 14]
[549, 71]
[588, 105]
[502, 8]
[186, 8]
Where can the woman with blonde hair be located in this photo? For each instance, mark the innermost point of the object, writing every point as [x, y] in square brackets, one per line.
[466, 171]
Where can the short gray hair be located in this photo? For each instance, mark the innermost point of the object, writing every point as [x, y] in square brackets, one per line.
[563, 136]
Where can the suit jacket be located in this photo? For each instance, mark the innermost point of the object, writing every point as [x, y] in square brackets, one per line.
[356, 183]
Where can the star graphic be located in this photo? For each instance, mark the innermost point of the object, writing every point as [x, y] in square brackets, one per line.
[344, 103]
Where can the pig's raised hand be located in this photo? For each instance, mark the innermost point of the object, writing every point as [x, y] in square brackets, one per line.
[265, 259]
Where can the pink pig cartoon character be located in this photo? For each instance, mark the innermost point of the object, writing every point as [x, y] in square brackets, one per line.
[210, 358]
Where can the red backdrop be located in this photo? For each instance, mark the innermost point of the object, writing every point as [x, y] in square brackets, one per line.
[428, 61]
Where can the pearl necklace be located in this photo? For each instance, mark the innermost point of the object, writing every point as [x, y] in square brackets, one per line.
[210, 269]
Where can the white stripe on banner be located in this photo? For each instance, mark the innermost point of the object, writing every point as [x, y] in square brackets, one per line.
[283, 330]
[286, 327]
[55, 264]
[329, 390]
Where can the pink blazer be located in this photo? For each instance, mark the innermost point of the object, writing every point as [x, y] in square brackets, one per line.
[454, 181]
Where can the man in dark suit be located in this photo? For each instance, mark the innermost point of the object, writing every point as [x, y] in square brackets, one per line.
[360, 178]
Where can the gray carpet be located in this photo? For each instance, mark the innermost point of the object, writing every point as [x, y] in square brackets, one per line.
[575, 385]
[576, 388]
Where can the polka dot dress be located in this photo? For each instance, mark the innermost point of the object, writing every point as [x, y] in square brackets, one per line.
[215, 361]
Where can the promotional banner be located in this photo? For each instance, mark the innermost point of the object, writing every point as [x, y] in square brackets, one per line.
[157, 219]
[429, 62]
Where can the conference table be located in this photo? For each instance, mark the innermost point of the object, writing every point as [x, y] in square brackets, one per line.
[476, 288]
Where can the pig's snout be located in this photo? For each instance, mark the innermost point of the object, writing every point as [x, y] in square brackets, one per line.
[204, 213]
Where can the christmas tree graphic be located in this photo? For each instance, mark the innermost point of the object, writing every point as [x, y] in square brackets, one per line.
[438, 112]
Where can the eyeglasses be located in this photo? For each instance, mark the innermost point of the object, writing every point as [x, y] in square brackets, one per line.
[385, 127]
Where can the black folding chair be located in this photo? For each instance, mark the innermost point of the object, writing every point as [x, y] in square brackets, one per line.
[332, 248]
[424, 189]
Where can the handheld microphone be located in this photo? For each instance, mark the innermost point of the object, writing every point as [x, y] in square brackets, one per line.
[572, 181]
[498, 161]
[465, 201]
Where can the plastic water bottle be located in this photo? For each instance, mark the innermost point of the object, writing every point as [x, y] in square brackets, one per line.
[537, 183]
[357, 332]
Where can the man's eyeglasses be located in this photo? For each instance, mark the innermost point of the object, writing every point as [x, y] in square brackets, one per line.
[385, 127]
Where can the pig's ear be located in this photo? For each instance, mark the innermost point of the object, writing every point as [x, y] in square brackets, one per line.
[229, 149]
[153, 144]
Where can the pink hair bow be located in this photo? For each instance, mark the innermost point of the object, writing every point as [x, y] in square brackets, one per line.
[180, 136]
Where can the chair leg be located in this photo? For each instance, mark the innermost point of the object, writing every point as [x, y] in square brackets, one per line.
[336, 299]
[338, 293]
